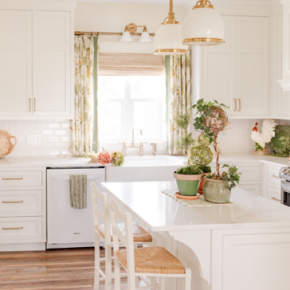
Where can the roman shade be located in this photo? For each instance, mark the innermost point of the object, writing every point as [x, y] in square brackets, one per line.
[130, 64]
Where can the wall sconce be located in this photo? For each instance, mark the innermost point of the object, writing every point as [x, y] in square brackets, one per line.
[131, 29]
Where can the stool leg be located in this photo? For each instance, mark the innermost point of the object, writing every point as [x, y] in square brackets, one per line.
[136, 277]
[162, 282]
[108, 267]
[188, 279]
[97, 262]
[117, 277]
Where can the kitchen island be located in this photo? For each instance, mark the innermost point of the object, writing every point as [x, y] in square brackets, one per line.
[242, 245]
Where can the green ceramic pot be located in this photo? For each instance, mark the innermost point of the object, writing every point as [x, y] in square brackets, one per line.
[187, 184]
[216, 191]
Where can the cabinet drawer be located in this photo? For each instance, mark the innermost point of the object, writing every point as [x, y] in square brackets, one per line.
[250, 173]
[273, 176]
[274, 193]
[20, 178]
[21, 229]
[15, 203]
[254, 188]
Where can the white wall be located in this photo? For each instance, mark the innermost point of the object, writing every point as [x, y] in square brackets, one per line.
[99, 17]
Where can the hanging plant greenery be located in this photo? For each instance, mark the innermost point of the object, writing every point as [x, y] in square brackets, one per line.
[185, 142]
[182, 120]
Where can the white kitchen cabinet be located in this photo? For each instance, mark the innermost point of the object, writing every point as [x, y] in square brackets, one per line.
[254, 188]
[16, 63]
[219, 68]
[36, 56]
[237, 73]
[281, 99]
[22, 209]
[51, 63]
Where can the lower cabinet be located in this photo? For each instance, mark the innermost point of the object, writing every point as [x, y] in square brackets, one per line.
[274, 193]
[21, 229]
[254, 188]
[22, 209]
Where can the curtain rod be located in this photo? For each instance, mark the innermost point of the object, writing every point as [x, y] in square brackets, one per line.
[107, 33]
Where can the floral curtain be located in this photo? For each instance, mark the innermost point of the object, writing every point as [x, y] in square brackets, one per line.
[82, 125]
[179, 101]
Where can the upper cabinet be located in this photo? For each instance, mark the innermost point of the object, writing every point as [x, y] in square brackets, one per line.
[237, 73]
[36, 56]
[51, 63]
[281, 99]
[16, 63]
[285, 80]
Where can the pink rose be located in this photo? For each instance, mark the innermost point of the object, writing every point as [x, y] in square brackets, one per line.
[104, 158]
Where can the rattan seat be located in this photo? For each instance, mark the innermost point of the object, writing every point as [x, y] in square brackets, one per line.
[139, 234]
[152, 260]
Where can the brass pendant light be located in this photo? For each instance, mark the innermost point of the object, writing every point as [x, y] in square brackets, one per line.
[168, 40]
[203, 25]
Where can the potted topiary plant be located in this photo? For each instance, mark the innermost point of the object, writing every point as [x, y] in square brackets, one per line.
[212, 119]
[217, 189]
[201, 155]
[188, 179]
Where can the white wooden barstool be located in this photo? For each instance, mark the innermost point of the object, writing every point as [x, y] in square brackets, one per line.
[103, 229]
[149, 261]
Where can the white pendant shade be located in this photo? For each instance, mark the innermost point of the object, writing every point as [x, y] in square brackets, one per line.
[126, 37]
[145, 37]
[203, 26]
[168, 40]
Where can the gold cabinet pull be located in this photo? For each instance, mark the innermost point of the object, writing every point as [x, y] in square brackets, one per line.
[240, 105]
[235, 104]
[12, 229]
[29, 104]
[21, 201]
[13, 178]
[276, 199]
[34, 107]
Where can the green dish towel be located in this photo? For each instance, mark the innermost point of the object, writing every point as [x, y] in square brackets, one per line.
[78, 191]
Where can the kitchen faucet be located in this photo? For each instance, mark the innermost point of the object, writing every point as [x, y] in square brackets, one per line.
[135, 146]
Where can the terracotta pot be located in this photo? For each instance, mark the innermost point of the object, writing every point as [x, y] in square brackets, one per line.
[201, 185]
[187, 184]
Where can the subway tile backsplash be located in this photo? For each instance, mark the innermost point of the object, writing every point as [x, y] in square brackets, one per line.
[53, 137]
[39, 137]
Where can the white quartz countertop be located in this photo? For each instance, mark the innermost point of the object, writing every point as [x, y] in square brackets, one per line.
[133, 161]
[158, 212]
[46, 162]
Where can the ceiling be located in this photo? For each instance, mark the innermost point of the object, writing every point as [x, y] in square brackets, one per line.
[158, 2]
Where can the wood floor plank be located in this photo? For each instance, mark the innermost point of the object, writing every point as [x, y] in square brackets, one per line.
[51, 270]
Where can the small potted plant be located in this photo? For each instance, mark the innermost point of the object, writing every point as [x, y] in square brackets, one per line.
[188, 179]
[217, 189]
[211, 118]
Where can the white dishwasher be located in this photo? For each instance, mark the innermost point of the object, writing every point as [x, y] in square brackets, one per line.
[68, 227]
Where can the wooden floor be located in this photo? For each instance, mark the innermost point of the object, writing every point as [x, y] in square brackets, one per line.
[53, 269]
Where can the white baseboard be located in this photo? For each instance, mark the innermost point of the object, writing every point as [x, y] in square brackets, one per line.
[22, 247]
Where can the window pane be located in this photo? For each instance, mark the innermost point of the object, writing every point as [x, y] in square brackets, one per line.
[146, 118]
[110, 114]
[111, 87]
[147, 87]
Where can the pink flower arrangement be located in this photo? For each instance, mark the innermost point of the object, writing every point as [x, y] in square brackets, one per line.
[116, 158]
[104, 158]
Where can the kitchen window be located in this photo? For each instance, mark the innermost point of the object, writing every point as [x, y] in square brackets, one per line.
[127, 102]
